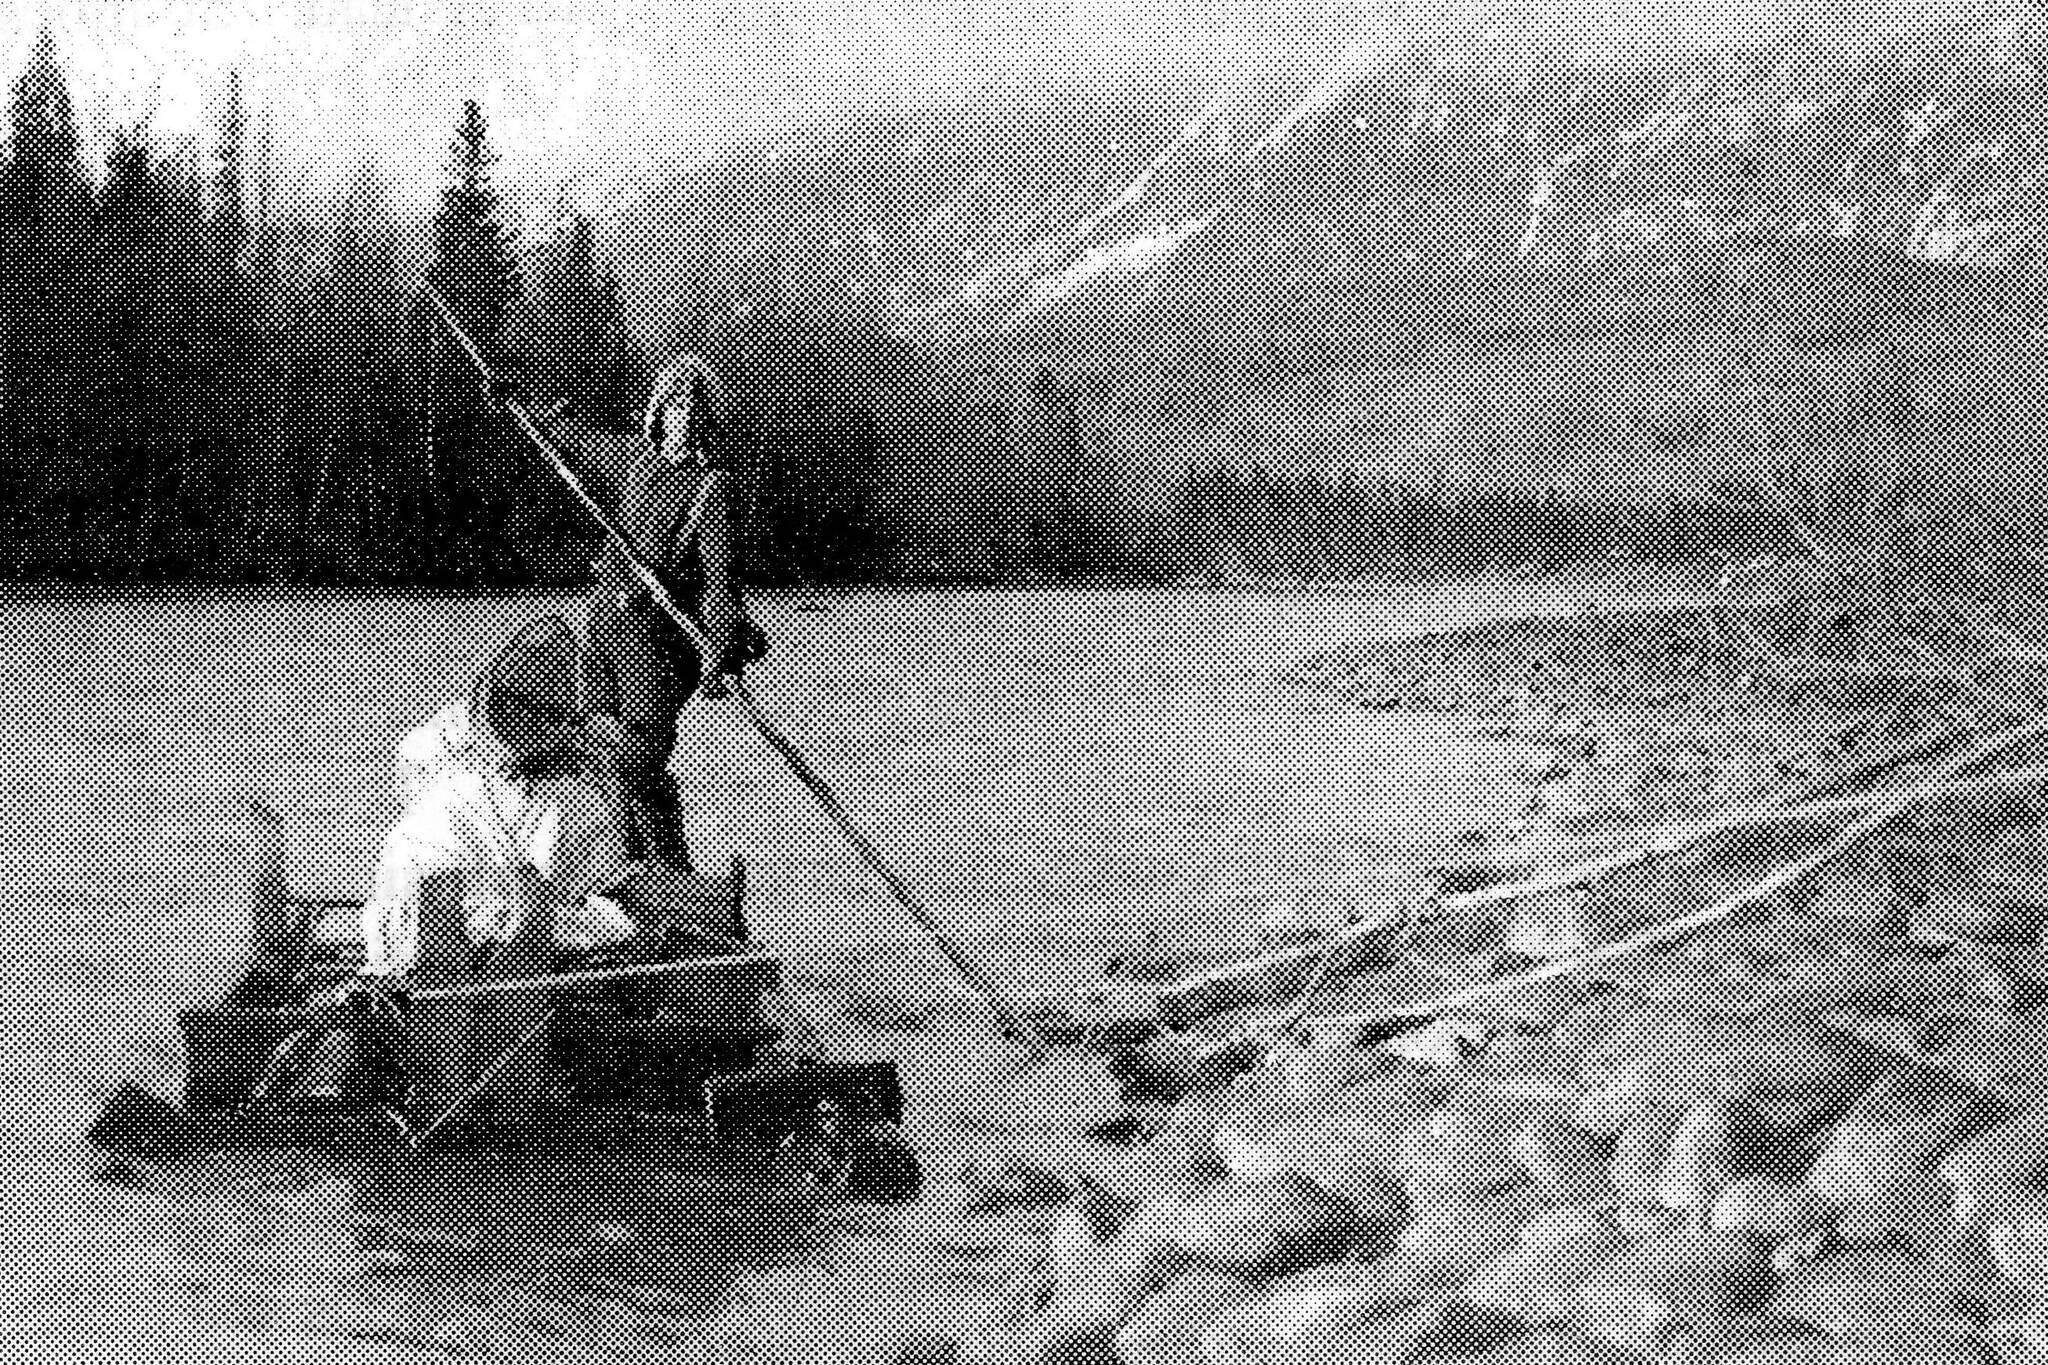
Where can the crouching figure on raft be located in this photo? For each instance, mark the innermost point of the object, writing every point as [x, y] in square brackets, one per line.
[511, 853]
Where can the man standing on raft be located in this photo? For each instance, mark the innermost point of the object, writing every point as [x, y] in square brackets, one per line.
[639, 667]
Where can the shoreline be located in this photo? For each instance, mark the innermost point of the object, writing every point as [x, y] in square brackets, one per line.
[1654, 583]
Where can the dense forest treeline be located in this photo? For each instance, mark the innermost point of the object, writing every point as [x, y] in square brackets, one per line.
[975, 341]
[207, 370]
[210, 371]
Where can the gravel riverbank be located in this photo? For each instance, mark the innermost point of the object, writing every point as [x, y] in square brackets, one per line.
[1807, 1131]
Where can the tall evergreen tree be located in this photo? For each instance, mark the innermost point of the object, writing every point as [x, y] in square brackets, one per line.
[570, 333]
[229, 210]
[367, 485]
[47, 280]
[474, 270]
[196, 475]
[473, 267]
[554, 326]
[227, 341]
[292, 369]
[131, 382]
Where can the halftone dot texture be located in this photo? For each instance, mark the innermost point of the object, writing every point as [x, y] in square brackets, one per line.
[1110, 381]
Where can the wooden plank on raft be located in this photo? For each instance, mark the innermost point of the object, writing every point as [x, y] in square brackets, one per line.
[753, 971]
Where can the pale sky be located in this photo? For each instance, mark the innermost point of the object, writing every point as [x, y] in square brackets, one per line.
[607, 94]
[604, 94]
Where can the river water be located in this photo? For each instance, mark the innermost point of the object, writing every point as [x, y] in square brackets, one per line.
[1054, 773]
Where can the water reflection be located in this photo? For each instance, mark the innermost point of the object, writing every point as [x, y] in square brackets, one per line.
[507, 1256]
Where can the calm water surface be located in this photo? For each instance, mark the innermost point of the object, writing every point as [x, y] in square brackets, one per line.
[1051, 771]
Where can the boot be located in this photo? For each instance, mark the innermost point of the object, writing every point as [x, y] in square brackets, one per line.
[658, 818]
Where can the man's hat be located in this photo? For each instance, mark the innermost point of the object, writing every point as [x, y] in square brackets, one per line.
[537, 664]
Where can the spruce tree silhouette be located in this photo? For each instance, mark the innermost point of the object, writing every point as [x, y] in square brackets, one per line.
[475, 270]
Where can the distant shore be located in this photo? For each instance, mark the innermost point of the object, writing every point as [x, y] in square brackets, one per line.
[1636, 584]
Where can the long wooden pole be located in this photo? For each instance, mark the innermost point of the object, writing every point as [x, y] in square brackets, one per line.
[1199, 996]
[1013, 1024]
[1893, 807]
[593, 976]
[1222, 988]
